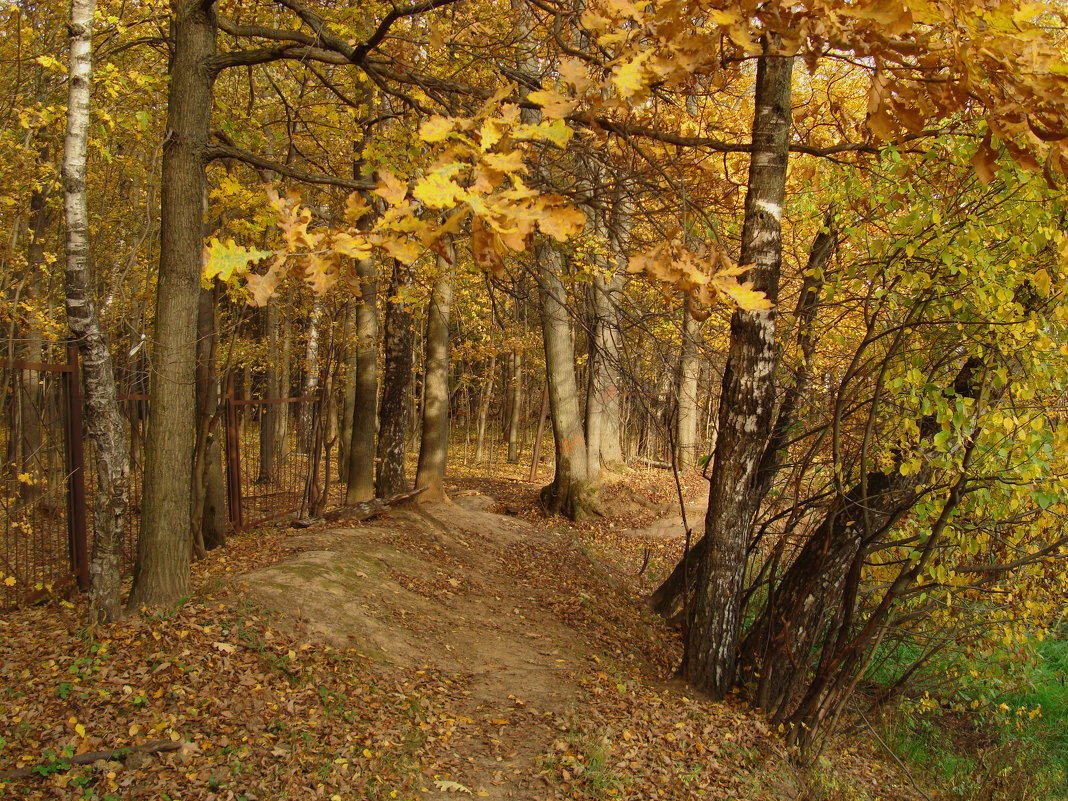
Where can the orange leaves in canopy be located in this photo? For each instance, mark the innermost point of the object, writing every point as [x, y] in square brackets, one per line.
[959, 60]
[706, 276]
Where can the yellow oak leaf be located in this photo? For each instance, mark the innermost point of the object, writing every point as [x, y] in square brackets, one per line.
[437, 190]
[562, 222]
[629, 77]
[355, 208]
[557, 132]
[484, 250]
[553, 104]
[403, 250]
[349, 245]
[437, 128]
[573, 72]
[505, 162]
[390, 188]
[742, 295]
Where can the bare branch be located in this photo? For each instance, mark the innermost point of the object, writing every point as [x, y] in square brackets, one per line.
[226, 151]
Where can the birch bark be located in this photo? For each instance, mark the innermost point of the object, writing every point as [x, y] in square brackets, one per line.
[104, 420]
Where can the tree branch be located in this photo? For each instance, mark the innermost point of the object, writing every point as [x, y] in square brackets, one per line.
[264, 55]
[226, 151]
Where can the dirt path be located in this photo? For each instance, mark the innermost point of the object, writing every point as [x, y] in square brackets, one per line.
[446, 587]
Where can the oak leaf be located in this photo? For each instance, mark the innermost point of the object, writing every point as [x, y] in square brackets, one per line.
[390, 188]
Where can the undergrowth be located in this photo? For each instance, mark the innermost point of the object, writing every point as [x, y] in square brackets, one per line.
[1012, 747]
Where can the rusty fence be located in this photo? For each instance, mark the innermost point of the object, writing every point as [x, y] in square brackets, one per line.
[276, 462]
[42, 488]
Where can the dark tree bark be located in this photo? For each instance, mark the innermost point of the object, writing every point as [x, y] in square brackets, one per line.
[399, 340]
[163, 552]
[484, 402]
[433, 444]
[209, 493]
[746, 398]
[777, 647]
[668, 599]
[365, 405]
[271, 391]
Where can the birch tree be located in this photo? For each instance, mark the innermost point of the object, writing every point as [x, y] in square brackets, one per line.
[105, 423]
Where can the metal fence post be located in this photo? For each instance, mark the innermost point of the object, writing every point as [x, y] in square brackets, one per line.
[76, 505]
[233, 457]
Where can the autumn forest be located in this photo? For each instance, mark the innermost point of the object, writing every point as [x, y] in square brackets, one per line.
[532, 399]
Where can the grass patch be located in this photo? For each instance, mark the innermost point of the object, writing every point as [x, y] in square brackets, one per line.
[1012, 748]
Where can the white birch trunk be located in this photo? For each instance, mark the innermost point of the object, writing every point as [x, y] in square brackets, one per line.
[104, 420]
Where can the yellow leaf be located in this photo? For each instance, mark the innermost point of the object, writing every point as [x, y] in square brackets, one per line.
[355, 208]
[227, 261]
[562, 223]
[629, 77]
[348, 245]
[437, 128]
[556, 132]
[742, 295]
[402, 249]
[80, 730]
[505, 162]
[573, 71]
[390, 189]
[484, 250]
[437, 190]
[451, 787]
[553, 105]
[10, 581]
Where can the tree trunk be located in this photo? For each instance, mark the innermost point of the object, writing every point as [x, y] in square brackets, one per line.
[433, 444]
[776, 647]
[515, 407]
[163, 552]
[668, 600]
[311, 377]
[209, 494]
[269, 412]
[348, 407]
[571, 493]
[604, 431]
[361, 485]
[686, 394]
[103, 417]
[485, 400]
[746, 398]
[398, 344]
[281, 420]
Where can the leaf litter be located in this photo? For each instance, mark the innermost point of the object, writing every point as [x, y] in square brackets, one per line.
[441, 652]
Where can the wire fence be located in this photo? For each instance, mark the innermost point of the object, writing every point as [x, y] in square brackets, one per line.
[276, 462]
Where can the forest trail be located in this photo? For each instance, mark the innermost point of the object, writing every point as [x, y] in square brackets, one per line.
[440, 651]
[453, 588]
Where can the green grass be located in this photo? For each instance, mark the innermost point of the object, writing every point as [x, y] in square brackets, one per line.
[1002, 751]
[1045, 688]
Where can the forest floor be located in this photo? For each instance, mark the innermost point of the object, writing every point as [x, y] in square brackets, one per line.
[443, 650]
